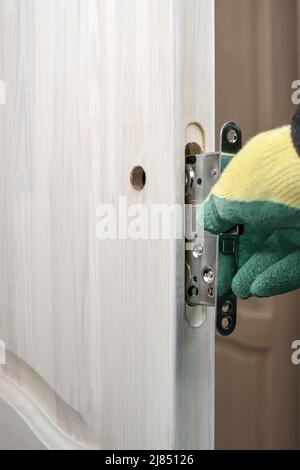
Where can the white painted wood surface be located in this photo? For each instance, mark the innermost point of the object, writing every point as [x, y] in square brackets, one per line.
[24, 425]
[14, 432]
[95, 331]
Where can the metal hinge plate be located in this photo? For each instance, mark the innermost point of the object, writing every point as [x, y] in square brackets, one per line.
[203, 248]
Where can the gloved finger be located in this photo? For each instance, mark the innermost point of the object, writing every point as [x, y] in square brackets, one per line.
[226, 272]
[209, 215]
[221, 215]
[228, 264]
[280, 278]
[273, 250]
[248, 244]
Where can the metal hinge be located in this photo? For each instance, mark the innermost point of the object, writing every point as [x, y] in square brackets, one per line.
[203, 260]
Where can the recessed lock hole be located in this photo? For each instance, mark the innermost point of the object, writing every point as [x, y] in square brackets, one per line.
[138, 178]
[226, 307]
[232, 136]
[195, 279]
[226, 323]
[199, 181]
[193, 291]
[211, 292]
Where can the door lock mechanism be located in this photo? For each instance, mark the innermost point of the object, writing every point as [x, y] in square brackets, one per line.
[205, 252]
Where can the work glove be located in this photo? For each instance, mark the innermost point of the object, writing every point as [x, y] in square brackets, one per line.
[260, 189]
[268, 265]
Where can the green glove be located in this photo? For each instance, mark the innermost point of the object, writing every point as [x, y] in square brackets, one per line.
[268, 265]
[260, 189]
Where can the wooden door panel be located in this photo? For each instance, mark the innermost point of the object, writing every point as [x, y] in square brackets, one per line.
[14, 433]
[95, 331]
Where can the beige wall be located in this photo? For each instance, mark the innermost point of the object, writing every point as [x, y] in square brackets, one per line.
[257, 60]
[258, 393]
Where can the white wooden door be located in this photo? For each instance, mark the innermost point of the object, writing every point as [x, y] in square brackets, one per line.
[98, 352]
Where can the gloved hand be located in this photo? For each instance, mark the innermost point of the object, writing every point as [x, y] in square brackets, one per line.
[268, 265]
[260, 189]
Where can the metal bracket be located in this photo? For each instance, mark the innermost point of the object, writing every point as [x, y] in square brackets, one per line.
[203, 248]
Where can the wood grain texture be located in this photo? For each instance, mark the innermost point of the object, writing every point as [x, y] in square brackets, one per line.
[95, 330]
[14, 433]
[24, 425]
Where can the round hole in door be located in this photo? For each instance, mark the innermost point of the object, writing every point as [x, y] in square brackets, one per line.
[226, 323]
[138, 178]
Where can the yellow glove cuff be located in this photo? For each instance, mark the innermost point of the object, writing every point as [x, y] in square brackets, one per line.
[266, 169]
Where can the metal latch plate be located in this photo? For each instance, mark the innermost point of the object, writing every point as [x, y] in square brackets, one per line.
[203, 248]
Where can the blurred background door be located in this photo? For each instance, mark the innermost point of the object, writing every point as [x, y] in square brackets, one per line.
[257, 388]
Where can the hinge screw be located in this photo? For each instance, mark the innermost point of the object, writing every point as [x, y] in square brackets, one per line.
[209, 275]
[198, 251]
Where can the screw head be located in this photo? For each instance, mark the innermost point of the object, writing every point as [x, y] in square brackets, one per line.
[208, 275]
[198, 251]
